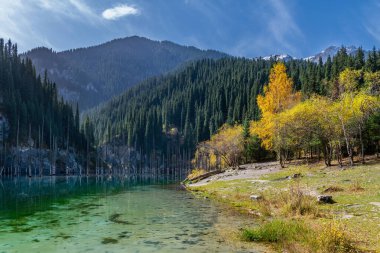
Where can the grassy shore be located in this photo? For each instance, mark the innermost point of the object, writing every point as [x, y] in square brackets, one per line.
[290, 218]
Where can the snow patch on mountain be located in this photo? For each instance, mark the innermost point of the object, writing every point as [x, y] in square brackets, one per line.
[330, 51]
[279, 57]
[324, 54]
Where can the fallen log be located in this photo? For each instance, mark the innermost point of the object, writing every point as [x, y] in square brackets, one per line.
[201, 177]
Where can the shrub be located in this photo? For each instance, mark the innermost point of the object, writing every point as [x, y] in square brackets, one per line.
[356, 187]
[334, 239]
[295, 202]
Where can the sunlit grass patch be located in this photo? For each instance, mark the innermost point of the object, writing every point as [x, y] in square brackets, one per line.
[276, 231]
[353, 190]
[294, 235]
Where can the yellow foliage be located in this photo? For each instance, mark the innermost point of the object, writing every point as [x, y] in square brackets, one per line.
[349, 79]
[278, 96]
[223, 149]
[352, 109]
[334, 239]
[372, 82]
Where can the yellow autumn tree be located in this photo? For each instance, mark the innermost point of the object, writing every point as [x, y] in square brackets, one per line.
[278, 96]
[309, 125]
[224, 149]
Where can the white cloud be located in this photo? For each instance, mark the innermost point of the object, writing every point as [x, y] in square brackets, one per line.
[120, 11]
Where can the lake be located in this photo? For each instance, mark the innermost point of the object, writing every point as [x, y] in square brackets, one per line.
[74, 214]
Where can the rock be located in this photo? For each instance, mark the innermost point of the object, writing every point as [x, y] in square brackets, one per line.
[325, 199]
[375, 203]
[347, 216]
[296, 175]
[256, 197]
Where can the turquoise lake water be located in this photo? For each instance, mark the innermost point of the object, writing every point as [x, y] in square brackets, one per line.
[75, 214]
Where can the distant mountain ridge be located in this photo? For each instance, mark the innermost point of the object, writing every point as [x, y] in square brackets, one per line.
[331, 51]
[94, 74]
[324, 54]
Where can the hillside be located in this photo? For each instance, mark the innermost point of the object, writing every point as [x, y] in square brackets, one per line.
[175, 112]
[94, 74]
[30, 105]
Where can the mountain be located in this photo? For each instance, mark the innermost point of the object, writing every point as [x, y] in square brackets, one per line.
[324, 54]
[330, 51]
[30, 109]
[95, 74]
[172, 113]
[279, 57]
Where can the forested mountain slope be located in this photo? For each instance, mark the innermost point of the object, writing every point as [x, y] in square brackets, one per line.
[94, 74]
[188, 106]
[32, 112]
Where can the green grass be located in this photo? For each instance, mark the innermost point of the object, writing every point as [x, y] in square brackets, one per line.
[353, 189]
[276, 231]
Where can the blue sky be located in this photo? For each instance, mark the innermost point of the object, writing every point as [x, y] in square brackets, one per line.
[239, 27]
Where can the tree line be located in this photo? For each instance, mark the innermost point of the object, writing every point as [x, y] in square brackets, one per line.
[37, 116]
[295, 126]
[173, 113]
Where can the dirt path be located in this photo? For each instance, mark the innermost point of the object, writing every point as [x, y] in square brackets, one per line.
[247, 171]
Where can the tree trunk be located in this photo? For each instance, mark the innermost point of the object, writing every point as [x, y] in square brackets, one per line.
[327, 155]
[339, 155]
[361, 144]
[281, 158]
[348, 145]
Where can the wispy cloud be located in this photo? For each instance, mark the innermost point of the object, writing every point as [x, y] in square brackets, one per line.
[275, 31]
[282, 25]
[76, 9]
[120, 11]
[372, 23]
[28, 22]
[16, 24]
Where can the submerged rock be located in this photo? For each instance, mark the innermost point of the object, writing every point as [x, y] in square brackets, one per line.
[109, 240]
[116, 219]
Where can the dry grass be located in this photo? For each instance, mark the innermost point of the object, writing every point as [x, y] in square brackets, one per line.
[356, 187]
[333, 189]
[295, 202]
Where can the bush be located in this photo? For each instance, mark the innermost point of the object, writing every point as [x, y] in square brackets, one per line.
[295, 202]
[334, 239]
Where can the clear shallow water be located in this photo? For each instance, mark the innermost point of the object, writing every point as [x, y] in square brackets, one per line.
[100, 215]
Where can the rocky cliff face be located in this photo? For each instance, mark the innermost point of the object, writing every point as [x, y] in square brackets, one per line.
[39, 162]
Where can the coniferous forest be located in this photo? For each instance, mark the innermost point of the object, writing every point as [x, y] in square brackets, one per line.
[35, 115]
[188, 106]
